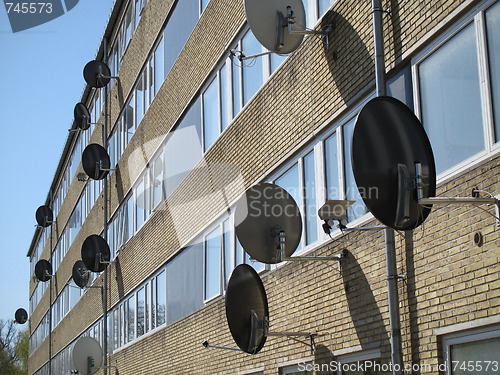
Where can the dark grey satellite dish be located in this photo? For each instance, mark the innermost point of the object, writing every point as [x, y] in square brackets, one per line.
[44, 216]
[247, 311]
[95, 161]
[267, 20]
[388, 141]
[80, 274]
[21, 316]
[87, 355]
[95, 253]
[261, 214]
[97, 74]
[43, 270]
[82, 116]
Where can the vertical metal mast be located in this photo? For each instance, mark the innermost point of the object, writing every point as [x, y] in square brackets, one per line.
[390, 248]
[50, 295]
[105, 226]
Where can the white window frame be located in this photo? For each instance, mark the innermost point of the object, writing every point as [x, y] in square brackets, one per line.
[466, 336]
[476, 17]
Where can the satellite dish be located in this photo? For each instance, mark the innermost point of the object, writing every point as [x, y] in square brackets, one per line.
[87, 355]
[95, 161]
[261, 213]
[43, 270]
[82, 116]
[21, 316]
[97, 74]
[95, 253]
[334, 210]
[247, 311]
[44, 216]
[80, 274]
[388, 140]
[268, 21]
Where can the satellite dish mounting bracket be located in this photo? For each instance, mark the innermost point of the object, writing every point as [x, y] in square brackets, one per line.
[474, 200]
[280, 241]
[289, 20]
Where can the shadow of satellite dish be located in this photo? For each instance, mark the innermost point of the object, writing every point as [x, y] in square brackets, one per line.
[87, 355]
[43, 270]
[82, 116]
[388, 141]
[262, 212]
[21, 316]
[95, 161]
[346, 46]
[247, 310]
[80, 274]
[268, 21]
[97, 74]
[44, 216]
[95, 253]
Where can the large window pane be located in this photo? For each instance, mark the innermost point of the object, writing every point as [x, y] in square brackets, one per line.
[131, 318]
[276, 61]
[179, 26]
[252, 73]
[212, 264]
[236, 77]
[477, 352]
[158, 180]
[139, 95]
[290, 182]
[332, 167]
[185, 283]
[323, 6]
[358, 208]
[210, 115]
[161, 295]
[310, 199]
[226, 234]
[224, 98]
[159, 76]
[140, 312]
[451, 100]
[493, 30]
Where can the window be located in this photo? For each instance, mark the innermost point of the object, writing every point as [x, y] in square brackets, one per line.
[157, 180]
[212, 264]
[130, 311]
[141, 308]
[362, 362]
[161, 295]
[203, 5]
[474, 351]
[228, 256]
[332, 168]
[158, 64]
[493, 35]
[451, 100]
[210, 114]
[310, 199]
[140, 97]
[252, 74]
[300, 369]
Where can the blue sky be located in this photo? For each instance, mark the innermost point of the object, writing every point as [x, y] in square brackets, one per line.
[41, 80]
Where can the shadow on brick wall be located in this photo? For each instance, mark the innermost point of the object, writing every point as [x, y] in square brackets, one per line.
[349, 60]
[363, 308]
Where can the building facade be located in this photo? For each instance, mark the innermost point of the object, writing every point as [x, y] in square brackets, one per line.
[191, 127]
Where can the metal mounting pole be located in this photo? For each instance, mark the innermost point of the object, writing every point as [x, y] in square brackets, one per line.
[392, 278]
[50, 296]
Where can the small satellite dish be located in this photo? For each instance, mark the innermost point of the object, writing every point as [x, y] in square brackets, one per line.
[268, 20]
[80, 274]
[334, 210]
[97, 74]
[388, 141]
[43, 270]
[44, 216]
[95, 161]
[261, 214]
[95, 253]
[82, 116]
[87, 355]
[247, 311]
[21, 316]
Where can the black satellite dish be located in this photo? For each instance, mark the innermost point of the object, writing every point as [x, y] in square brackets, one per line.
[95, 161]
[261, 214]
[95, 253]
[97, 74]
[82, 116]
[247, 311]
[44, 216]
[21, 316]
[43, 270]
[80, 274]
[388, 141]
